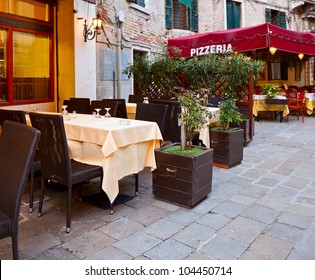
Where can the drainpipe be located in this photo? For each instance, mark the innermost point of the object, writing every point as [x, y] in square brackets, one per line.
[118, 57]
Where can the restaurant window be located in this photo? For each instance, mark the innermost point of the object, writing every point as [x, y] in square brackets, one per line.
[233, 14]
[277, 70]
[26, 8]
[276, 18]
[139, 2]
[26, 55]
[179, 15]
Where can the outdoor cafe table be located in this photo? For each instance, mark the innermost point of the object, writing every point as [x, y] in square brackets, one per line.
[122, 147]
[204, 131]
[310, 102]
[260, 105]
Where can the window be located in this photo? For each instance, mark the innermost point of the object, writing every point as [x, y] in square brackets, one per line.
[277, 70]
[26, 8]
[276, 18]
[26, 54]
[233, 14]
[138, 2]
[179, 16]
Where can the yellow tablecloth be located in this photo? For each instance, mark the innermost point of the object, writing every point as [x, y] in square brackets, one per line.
[121, 149]
[131, 110]
[204, 135]
[309, 103]
[260, 106]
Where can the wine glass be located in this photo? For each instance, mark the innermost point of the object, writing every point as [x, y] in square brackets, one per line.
[64, 109]
[97, 113]
[107, 115]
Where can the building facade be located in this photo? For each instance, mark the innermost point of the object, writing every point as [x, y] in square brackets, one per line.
[45, 57]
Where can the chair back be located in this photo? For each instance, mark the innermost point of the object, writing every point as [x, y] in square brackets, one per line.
[80, 105]
[12, 115]
[113, 105]
[122, 109]
[154, 113]
[18, 143]
[172, 129]
[97, 104]
[53, 147]
[135, 98]
[102, 104]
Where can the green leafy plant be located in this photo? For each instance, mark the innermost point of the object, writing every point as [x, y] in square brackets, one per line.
[229, 113]
[271, 90]
[193, 115]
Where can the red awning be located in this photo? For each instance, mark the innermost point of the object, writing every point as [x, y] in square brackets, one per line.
[243, 39]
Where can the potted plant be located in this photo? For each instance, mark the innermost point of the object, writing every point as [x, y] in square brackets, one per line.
[226, 141]
[184, 173]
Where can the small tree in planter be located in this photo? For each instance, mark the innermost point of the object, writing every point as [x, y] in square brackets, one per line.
[229, 114]
[193, 116]
[227, 142]
[184, 175]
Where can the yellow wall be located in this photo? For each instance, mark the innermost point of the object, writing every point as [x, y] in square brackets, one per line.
[65, 52]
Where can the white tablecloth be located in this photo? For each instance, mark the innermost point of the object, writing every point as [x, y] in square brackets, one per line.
[121, 149]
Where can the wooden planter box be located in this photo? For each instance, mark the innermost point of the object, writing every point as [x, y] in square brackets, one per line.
[227, 147]
[183, 179]
[245, 125]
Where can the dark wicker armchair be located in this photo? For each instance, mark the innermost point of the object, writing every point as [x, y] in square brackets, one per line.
[18, 143]
[55, 159]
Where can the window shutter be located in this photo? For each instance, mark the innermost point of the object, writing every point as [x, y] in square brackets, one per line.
[168, 14]
[268, 15]
[229, 14]
[233, 14]
[237, 14]
[284, 70]
[194, 15]
[283, 22]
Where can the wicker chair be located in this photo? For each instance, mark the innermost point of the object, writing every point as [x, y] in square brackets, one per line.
[55, 159]
[18, 143]
[122, 109]
[19, 116]
[101, 104]
[135, 98]
[80, 105]
[172, 129]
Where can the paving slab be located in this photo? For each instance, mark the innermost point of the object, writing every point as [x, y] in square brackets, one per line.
[223, 247]
[137, 243]
[267, 248]
[169, 250]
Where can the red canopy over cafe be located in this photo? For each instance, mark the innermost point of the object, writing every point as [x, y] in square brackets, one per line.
[265, 39]
[257, 37]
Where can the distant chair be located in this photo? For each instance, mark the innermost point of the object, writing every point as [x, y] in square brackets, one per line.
[122, 109]
[172, 131]
[154, 113]
[102, 104]
[135, 98]
[19, 116]
[18, 144]
[296, 102]
[80, 105]
[55, 159]
[214, 101]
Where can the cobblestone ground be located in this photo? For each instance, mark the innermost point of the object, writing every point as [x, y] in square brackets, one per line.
[260, 209]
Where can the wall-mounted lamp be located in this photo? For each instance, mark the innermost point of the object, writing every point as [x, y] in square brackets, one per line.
[272, 50]
[301, 55]
[89, 32]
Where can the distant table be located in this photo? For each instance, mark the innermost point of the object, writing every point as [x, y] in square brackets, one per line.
[276, 104]
[310, 102]
[122, 147]
[204, 131]
[131, 110]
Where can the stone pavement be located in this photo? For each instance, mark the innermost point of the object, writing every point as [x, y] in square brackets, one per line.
[261, 209]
